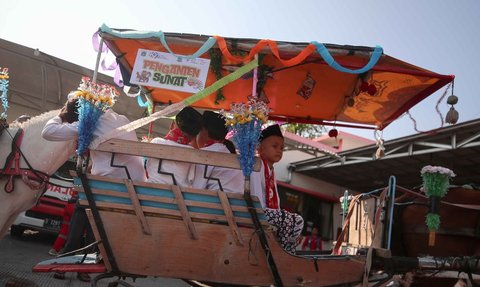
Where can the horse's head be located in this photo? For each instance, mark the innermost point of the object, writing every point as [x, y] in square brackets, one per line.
[43, 155]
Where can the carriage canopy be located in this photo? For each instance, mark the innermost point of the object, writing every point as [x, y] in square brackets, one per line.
[302, 82]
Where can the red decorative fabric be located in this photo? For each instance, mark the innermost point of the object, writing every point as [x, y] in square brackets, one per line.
[177, 136]
[210, 142]
[272, 200]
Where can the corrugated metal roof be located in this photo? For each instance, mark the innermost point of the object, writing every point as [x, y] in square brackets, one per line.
[456, 147]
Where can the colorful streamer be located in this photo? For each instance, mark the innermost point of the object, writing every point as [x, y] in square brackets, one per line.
[139, 35]
[323, 51]
[222, 44]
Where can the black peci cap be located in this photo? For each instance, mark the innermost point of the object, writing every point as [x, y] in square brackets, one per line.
[215, 125]
[273, 130]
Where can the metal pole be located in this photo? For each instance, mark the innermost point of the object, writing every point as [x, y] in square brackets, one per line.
[99, 54]
[255, 80]
[392, 183]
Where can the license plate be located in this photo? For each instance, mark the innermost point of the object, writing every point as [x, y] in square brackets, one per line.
[52, 223]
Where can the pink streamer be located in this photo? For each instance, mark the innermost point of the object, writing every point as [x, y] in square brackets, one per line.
[111, 67]
[118, 77]
[96, 43]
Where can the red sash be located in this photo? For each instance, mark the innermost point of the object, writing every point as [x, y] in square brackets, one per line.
[210, 142]
[272, 200]
[177, 136]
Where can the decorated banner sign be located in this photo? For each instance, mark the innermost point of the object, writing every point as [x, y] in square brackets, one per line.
[167, 71]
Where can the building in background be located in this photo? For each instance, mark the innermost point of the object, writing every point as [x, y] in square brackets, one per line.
[316, 200]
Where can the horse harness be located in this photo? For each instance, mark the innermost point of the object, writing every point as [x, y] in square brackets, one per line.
[35, 179]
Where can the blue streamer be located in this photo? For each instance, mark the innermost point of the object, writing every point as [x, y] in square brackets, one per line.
[88, 116]
[141, 103]
[160, 35]
[145, 104]
[323, 51]
[4, 98]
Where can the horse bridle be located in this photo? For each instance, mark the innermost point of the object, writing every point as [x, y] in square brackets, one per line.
[35, 179]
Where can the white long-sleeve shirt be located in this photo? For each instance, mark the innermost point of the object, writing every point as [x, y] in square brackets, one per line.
[180, 170]
[55, 130]
[232, 180]
[257, 184]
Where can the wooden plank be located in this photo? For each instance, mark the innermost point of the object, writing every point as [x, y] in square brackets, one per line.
[160, 199]
[233, 195]
[173, 153]
[88, 211]
[164, 212]
[137, 207]
[184, 212]
[230, 218]
[170, 252]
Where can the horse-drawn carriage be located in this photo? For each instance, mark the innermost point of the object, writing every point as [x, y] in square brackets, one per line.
[148, 229]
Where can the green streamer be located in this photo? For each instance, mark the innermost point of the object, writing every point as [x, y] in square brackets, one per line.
[221, 83]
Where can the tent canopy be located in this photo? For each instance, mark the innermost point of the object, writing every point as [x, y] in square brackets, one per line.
[300, 82]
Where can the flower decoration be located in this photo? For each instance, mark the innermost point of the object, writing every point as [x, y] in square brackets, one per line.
[101, 96]
[93, 100]
[245, 122]
[4, 90]
[436, 180]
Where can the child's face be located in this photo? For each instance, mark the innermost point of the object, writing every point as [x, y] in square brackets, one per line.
[271, 149]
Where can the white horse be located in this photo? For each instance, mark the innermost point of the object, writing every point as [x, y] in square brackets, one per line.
[44, 158]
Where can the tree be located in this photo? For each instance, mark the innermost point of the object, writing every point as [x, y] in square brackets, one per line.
[306, 130]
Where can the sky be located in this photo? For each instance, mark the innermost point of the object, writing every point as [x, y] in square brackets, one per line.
[441, 36]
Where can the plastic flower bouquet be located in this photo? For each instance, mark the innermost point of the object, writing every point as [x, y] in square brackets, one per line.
[436, 180]
[3, 92]
[245, 123]
[93, 100]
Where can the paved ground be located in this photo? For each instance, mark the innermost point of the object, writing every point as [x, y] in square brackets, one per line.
[19, 255]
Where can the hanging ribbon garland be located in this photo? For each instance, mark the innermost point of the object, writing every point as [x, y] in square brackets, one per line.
[222, 44]
[140, 35]
[261, 44]
[145, 104]
[323, 51]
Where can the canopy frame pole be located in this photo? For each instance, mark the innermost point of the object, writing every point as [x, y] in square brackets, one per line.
[253, 212]
[97, 63]
[255, 79]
